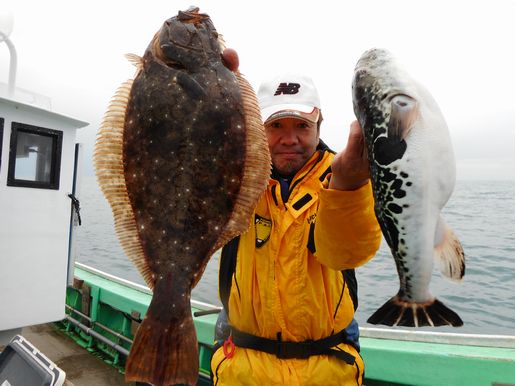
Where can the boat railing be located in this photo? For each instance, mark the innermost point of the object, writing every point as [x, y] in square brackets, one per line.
[210, 308]
[464, 339]
[104, 311]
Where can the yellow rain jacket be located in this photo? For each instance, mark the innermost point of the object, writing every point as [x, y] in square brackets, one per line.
[280, 286]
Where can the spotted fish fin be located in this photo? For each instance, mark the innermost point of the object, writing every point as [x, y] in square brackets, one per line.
[404, 112]
[449, 252]
[108, 161]
[257, 167]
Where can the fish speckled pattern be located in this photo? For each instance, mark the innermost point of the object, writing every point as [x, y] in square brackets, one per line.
[412, 170]
[182, 158]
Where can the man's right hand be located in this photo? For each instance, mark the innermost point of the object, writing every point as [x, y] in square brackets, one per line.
[230, 59]
[350, 166]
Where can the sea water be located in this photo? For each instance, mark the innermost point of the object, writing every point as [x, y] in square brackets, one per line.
[481, 214]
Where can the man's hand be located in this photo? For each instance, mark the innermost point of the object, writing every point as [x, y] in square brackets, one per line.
[230, 59]
[350, 166]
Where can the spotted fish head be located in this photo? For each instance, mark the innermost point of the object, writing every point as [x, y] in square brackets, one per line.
[386, 103]
[377, 71]
[187, 41]
[379, 86]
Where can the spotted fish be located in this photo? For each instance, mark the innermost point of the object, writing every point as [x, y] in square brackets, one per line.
[412, 169]
[182, 158]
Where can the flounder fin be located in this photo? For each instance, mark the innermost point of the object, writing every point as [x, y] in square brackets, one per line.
[396, 312]
[257, 167]
[404, 113]
[136, 60]
[221, 42]
[449, 252]
[108, 161]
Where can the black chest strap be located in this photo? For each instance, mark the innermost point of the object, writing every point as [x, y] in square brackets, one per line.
[300, 350]
[226, 270]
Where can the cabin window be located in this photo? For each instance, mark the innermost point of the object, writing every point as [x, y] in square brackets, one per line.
[1, 139]
[34, 157]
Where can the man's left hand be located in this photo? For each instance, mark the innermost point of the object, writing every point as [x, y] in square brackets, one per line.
[350, 166]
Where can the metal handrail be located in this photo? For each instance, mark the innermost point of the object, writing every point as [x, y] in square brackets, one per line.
[94, 323]
[96, 335]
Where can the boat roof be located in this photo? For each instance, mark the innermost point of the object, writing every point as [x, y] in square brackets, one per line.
[41, 111]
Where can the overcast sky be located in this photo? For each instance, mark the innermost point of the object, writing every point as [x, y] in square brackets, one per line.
[463, 52]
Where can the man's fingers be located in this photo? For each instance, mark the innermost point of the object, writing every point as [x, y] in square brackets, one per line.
[355, 126]
[356, 142]
[350, 167]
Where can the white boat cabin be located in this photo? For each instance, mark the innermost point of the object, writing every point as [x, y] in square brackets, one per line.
[39, 162]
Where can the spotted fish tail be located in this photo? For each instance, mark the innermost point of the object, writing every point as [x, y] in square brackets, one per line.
[396, 312]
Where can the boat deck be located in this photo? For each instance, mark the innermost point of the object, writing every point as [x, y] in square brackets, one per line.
[82, 368]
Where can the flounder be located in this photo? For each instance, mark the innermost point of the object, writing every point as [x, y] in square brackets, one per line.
[412, 168]
[182, 158]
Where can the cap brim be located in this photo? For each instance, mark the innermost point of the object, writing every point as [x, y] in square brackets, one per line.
[289, 110]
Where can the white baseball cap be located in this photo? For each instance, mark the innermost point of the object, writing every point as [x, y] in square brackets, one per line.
[289, 95]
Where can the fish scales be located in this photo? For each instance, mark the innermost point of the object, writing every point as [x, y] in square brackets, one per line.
[182, 158]
[412, 170]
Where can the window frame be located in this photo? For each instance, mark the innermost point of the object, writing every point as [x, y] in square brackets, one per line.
[2, 121]
[57, 147]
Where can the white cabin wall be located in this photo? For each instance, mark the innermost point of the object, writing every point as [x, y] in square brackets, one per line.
[34, 230]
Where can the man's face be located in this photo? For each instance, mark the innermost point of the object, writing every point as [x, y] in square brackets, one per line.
[292, 141]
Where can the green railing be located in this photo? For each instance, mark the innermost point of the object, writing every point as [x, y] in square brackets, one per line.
[104, 312]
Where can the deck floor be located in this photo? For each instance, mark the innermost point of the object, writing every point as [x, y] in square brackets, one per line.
[82, 368]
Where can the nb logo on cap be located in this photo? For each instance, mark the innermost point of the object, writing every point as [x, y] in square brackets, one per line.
[287, 88]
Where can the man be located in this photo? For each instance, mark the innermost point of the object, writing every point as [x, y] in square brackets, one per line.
[284, 283]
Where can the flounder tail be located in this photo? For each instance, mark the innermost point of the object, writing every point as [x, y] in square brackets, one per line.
[165, 349]
[396, 312]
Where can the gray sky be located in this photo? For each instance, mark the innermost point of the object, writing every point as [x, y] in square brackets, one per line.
[463, 52]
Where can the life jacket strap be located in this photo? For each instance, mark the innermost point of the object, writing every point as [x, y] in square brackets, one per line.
[300, 350]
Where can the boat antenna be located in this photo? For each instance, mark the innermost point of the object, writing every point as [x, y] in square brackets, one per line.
[6, 27]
